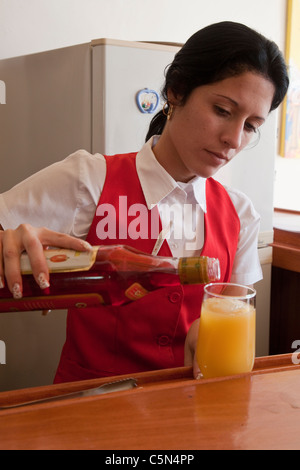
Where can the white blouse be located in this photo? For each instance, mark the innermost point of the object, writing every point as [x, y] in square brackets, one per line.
[64, 197]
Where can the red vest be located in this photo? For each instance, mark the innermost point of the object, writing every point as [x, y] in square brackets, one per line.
[149, 333]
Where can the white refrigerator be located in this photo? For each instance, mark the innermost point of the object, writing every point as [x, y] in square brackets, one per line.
[99, 96]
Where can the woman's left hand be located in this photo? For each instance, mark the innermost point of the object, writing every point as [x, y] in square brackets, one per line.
[190, 348]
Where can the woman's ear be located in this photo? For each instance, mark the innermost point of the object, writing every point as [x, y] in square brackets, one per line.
[173, 99]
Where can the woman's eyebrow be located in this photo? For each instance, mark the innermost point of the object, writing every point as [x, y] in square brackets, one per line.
[236, 104]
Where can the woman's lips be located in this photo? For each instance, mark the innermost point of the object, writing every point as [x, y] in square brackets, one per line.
[219, 156]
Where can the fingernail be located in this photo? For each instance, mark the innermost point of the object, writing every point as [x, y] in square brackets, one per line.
[45, 312]
[199, 376]
[87, 246]
[2, 285]
[16, 291]
[42, 281]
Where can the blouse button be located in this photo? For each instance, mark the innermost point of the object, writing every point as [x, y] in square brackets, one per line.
[175, 297]
[163, 340]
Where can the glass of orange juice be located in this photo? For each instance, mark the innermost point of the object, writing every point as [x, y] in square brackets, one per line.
[226, 341]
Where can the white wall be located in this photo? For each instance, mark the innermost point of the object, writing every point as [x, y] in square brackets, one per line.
[287, 187]
[28, 26]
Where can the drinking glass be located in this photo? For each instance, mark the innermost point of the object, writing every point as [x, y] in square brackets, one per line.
[226, 341]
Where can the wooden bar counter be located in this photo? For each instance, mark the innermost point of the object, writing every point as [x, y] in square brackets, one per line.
[167, 410]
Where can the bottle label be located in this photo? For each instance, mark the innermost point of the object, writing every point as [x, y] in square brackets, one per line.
[59, 260]
[136, 291]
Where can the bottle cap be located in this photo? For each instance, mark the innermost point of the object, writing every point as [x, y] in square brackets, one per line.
[198, 270]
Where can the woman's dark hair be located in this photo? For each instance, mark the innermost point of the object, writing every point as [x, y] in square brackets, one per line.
[217, 52]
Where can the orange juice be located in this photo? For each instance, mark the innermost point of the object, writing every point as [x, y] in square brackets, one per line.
[226, 342]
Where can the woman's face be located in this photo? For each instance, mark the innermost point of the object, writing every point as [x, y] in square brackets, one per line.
[215, 124]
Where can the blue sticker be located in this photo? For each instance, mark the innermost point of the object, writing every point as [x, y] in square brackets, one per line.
[147, 100]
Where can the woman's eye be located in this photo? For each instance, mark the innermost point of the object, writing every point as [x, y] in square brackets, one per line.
[250, 128]
[225, 113]
[222, 111]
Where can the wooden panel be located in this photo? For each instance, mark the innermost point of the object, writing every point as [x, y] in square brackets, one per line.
[286, 250]
[168, 410]
[285, 310]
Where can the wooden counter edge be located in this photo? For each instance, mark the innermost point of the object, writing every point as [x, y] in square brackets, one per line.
[287, 238]
[286, 257]
[168, 378]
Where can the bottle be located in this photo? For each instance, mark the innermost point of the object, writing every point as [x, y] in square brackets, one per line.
[107, 275]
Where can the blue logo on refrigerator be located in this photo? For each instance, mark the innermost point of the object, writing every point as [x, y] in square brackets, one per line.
[147, 100]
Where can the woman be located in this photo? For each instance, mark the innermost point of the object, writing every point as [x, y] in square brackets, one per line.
[219, 90]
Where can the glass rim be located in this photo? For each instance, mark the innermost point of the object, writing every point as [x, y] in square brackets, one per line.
[250, 295]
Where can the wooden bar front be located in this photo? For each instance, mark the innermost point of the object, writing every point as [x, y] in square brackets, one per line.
[168, 410]
[285, 295]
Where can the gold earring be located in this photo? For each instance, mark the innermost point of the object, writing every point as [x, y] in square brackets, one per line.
[168, 113]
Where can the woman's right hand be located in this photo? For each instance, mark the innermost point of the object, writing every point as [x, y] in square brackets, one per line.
[32, 240]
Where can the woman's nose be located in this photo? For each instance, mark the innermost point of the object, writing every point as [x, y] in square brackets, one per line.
[233, 135]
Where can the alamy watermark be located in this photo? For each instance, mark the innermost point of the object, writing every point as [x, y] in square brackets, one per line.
[2, 352]
[296, 354]
[135, 222]
[2, 92]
